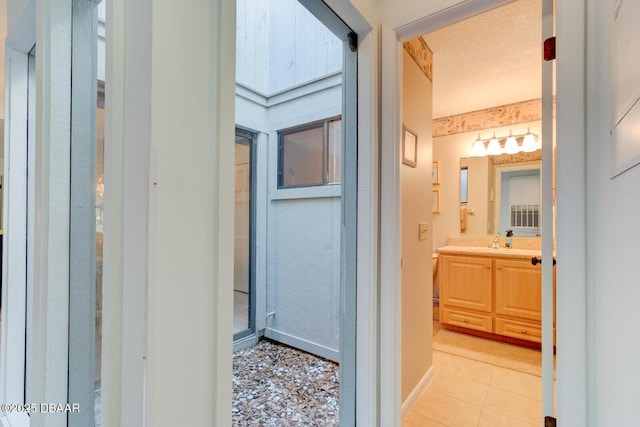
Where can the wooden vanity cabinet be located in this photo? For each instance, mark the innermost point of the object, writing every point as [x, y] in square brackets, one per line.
[518, 287]
[491, 294]
[467, 298]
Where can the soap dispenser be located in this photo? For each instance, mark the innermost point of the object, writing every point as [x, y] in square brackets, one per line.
[508, 243]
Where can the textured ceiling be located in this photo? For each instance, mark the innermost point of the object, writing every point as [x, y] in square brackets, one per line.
[489, 60]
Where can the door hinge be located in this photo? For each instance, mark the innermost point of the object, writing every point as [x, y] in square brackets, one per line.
[549, 422]
[353, 41]
[549, 49]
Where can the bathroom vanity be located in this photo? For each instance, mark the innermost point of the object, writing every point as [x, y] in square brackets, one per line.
[492, 292]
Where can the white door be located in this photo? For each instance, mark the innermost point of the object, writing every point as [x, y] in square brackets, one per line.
[547, 218]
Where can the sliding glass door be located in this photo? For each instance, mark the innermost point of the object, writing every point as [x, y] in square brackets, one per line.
[243, 283]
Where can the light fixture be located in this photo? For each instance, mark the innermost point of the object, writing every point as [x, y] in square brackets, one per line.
[512, 144]
[529, 143]
[478, 149]
[494, 148]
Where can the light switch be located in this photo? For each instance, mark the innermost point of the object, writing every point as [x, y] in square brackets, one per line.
[423, 233]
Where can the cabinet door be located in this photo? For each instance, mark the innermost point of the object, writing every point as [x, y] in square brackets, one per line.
[465, 282]
[518, 289]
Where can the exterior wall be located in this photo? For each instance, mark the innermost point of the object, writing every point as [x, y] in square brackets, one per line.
[301, 226]
[417, 289]
[280, 45]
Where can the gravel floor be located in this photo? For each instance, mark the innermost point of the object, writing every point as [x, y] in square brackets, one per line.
[276, 385]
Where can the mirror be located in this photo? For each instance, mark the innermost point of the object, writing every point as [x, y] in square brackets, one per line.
[502, 193]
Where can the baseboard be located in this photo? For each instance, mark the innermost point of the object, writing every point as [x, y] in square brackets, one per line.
[302, 344]
[422, 385]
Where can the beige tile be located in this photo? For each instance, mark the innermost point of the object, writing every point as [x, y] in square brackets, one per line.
[519, 358]
[518, 382]
[494, 419]
[448, 410]
[470, 369]
[421, 421]
[514, 405]
[406, 422]
[461, 388]
[441, 360]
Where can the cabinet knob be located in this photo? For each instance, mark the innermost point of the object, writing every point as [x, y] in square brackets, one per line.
[487, 266]
[499, 267]
[524, 332]
[466, 320]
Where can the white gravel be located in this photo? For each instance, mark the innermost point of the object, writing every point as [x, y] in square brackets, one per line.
[276, 385]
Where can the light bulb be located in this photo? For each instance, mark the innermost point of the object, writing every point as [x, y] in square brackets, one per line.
[478, 149]
[529, 143]
[494, 148]
[511, 146]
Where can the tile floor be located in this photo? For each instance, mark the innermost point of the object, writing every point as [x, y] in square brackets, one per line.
[470, 392]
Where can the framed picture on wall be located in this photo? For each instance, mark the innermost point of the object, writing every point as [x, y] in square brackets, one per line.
[409, 147]
[435, 173]
[435, 201]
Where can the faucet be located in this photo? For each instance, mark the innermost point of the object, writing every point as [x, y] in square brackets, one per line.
[496, 242]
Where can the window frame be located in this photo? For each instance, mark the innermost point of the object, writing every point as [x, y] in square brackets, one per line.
[324, 124]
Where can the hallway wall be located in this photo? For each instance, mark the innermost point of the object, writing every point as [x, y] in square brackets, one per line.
[417, 290]
[613, 238]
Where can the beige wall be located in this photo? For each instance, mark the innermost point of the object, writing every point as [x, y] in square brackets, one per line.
[417, 290]
[448, 150]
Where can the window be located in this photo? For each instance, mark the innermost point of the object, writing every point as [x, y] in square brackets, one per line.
[310, 154]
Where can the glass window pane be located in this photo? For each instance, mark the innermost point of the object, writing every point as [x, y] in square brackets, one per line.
[302, 156]
[334, 169]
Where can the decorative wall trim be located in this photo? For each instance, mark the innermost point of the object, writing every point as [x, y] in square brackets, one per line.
[421, 54]
[504, 115]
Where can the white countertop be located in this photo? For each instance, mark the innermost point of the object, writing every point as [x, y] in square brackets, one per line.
[486, 251]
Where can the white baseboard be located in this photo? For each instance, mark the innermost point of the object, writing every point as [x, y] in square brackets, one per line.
[302, 344]
[411, 400]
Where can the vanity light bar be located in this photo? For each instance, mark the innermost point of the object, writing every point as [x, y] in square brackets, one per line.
[511, 144]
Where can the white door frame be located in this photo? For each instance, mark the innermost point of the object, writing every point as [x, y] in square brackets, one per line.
[571, 295]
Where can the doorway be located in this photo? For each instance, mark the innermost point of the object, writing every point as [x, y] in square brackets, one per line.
[443, 169]
[296, 195]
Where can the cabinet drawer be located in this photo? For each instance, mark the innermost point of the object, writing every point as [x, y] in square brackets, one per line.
[517, 329]
[466, 320]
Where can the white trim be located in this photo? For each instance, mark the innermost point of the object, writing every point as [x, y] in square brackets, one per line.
[390, 244]
[302, 90]
[14, 272]
[311, 192]
[415, 394]
[261, 209]
[302, 344]
[573, 378]
[52, 202]
[367, 403]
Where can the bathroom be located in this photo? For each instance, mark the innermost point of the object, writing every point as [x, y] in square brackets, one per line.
[486, 85]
